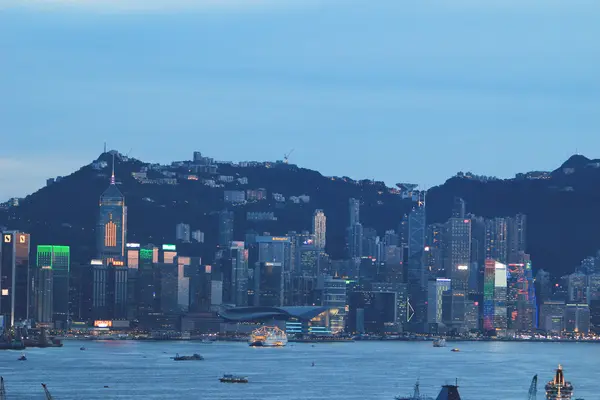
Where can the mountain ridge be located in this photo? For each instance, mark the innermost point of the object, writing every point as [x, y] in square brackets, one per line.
[561, 205]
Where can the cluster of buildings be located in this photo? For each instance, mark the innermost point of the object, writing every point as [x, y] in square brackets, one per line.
[469, 274]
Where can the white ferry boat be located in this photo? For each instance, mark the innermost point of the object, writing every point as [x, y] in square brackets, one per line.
[268, 336]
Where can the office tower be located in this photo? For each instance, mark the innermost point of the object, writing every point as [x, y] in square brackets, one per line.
[577, 288]
[403, 231]
[55, 261]
[391, 238]
[354, 208]
[111, 230]
[495, 311]
[516, 237]
[459, 208]
[496, 244]
[182, 232]
[183, 283]
[552, 316]
[132, 255]
[43, 296]
[225, 228]
[370, 242]
[577, 318]
[307, 260]
[435, 242]
[273, 249]
[239, 273]
[319, 228]
[521, 302]
[269, 280]
[459, 252]
[100, 284]
[145, 288]
[416, 229]
[14, 277]
[355, 241]
[435, 292]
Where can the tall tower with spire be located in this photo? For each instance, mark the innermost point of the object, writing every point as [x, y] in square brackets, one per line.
[111, 230]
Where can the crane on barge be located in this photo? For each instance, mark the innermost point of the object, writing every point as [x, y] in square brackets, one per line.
[48, 395]
[533, 389]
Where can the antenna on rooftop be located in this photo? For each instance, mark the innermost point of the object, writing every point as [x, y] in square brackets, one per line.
[105, 147]
[112, 177]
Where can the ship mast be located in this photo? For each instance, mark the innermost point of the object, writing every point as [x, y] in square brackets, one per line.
[2, 391]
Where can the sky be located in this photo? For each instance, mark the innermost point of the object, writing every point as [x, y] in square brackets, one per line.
[399, 91]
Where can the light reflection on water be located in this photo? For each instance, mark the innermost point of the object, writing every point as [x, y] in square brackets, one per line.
[360, 370]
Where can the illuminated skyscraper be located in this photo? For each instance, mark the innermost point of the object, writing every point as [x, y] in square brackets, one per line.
[14, 277]
[495, 313]
[459, 252]
[496, 243]
[53, 262]
[319, 228]
[111, 231]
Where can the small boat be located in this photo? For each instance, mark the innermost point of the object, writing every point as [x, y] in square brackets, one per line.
[82, 348]
[439, 342]
[194, 357]
[455, 350]
[228, 378]
[22, 358]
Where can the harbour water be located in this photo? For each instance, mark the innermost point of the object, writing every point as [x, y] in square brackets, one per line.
[359, 370]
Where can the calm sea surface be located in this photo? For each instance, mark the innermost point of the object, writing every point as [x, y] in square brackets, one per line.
[360, 370]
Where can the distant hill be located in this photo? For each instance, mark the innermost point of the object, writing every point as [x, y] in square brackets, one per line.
[66, 211]
[562, 206]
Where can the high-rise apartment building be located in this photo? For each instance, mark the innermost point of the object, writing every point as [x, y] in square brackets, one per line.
[15, 280]
[319, 228]
[111, 230]
[239, 273]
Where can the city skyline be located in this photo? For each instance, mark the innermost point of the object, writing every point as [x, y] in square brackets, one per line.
[334, 93]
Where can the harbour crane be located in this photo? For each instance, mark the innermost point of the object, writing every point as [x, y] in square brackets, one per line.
[48, 395]
[533, 389]
[287, 156]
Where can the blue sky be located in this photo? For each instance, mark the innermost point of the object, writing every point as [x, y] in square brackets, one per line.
[400, 91]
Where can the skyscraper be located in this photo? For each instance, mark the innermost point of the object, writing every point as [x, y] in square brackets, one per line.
[459, 249]
[111, 230]
[416, 229]
[14, 277]
[354, 208]
[319, 228]
[54, 262]
[496, 243]
[495, 313]
[225, 228]
[239, 273]
[182, 232]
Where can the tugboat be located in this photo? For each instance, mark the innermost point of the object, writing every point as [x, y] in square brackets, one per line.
[415, 396]
[228, 378]
[439, 342]
[22, 358]
[194, 357]
[268, 336]
[559, 388]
